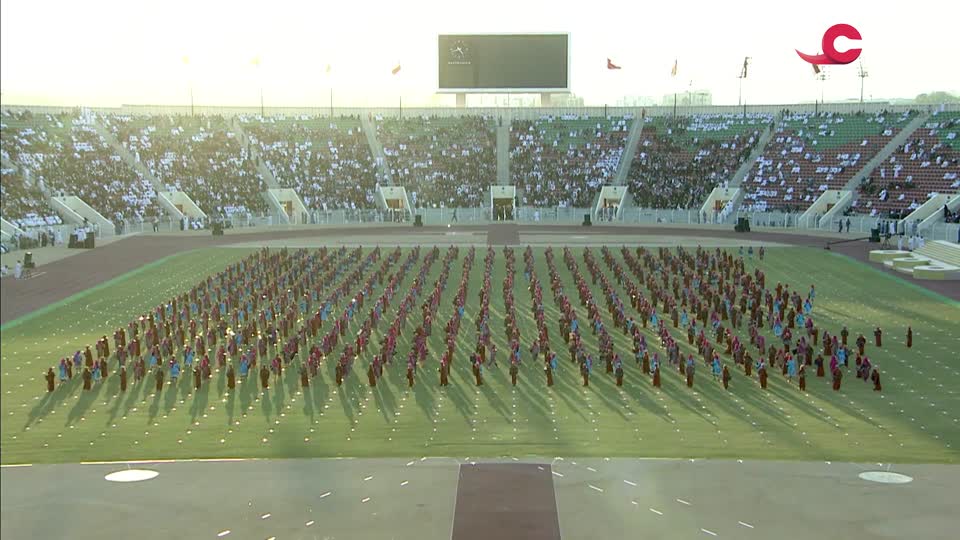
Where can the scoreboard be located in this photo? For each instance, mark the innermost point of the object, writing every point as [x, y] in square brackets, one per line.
[503, 63]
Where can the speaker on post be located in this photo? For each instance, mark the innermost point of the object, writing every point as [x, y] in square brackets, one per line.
[743, 225]
[418, 220]
[28, 260]
[875, 235]
[587, 221]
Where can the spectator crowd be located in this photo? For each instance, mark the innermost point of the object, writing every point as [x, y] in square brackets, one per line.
[441, 161]
[563, 161]
[199, 155]
[327, 161]
[678, 161]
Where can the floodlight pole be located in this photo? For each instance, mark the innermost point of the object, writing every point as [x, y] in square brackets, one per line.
[863, 75]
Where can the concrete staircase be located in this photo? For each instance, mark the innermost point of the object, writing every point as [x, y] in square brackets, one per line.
[629, 151]
[127, 156]
[131, 160]
[377, 150]
[265, 172]
[503, 154]
[936, 218]
[74, 210]
[884, 153]
[755, 154]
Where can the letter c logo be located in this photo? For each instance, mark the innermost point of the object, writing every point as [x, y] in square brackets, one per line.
[830, 53]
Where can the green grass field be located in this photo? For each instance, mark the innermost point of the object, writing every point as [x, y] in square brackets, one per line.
[915, 419]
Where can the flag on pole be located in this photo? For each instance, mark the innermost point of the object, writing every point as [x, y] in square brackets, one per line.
[255, 61]
[611, 65]
[673, 72]
[816, 69]
[328, 69]
[395, 70]
[746, 61]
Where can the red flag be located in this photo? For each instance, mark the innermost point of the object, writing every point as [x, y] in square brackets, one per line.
[395, 70]
[611, 65]
[673, 72]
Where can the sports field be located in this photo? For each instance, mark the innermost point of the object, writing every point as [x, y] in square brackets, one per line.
[914, 419]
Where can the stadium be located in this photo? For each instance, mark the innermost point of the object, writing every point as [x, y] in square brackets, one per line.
[518, 282]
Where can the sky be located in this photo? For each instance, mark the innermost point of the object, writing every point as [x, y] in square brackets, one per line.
[113, 52]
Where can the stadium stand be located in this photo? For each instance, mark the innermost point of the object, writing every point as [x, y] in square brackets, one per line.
[64, 154]
[328, 162]
[23, 205]
[812, 153]
[680, 160]
[927, 165]
[565, 160]
[199, 155]
[448, 161]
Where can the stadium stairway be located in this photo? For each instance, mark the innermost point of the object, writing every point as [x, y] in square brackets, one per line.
[630, 150]
[884, 153]
[139, 167]
[748, 163]
[265, 172]
[936, 218]
[503, 153]
[7, 164]
[742, 172]
[935, 260]
[8, 229]
[376, 149]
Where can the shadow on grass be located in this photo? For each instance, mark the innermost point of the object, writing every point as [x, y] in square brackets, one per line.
[86, 399]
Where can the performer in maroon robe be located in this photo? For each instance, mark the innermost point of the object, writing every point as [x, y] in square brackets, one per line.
[837, 378]
[819, 363]
[656, 377]
[123, 379]
[909, 337]
[762, 373]
[803, 378]
[231, 377]
[875, 377]
[410, 376]
[371, 375]
[304, 377]
[197, 377]
[514, 370]
[725, 377]
[158, 376]
[338, 373]
[549, 373]
[104, 371]
[878, 337]
[478, 372]
[264, 376]
[444, 374]
[50, 377]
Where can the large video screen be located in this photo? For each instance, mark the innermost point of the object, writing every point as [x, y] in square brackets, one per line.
[501, 63]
